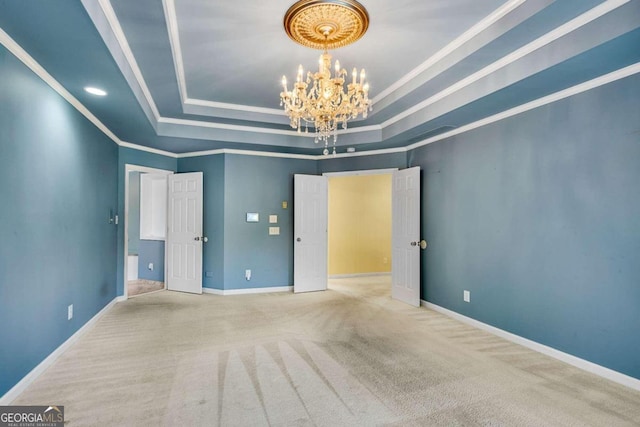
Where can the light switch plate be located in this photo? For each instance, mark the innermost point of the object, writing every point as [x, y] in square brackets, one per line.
[273, 219]
[274, 231]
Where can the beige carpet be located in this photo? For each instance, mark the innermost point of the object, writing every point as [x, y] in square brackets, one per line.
[142, 286]
[350, 356]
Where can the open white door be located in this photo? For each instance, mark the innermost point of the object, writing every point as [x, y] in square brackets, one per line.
[405, 240]
[184, 236]
[310, 233]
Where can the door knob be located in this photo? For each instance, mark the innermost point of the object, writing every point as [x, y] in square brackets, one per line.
[421, 243]
[298, 240]
[203, 238]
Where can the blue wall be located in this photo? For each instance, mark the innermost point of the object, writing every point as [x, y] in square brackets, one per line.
[57, 246]
[259, 184]
[539, 217]
[151, 251]
[381, 161]
[233, 186]
[140, 158]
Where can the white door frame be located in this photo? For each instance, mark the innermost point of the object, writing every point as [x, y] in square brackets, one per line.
[143, 169]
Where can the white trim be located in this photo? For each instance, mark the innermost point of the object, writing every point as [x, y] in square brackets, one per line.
[247, 291]
[365, 153]
[361, 172]
[240, 128]
[34, 66]
[290, 155]
[585, 365]
[349, 276]
[148, 149]
[112, 19]
[540, 102]
[17, 389]
[235, 107]
[540, 42]
[174, 41]
[451, 47]
[248, 153]
[566, 93]
[128, 167]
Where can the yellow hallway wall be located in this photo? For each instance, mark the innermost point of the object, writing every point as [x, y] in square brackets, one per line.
[359, 224]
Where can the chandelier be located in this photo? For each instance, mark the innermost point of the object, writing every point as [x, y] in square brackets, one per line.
[320, 99]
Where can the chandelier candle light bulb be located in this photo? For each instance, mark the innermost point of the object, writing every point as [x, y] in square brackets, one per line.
[320, 100]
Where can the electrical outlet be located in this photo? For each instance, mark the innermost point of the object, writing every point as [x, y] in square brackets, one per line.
[466, 296]
[151, 266]
[247, 274]
[385, 260]
[70, 312]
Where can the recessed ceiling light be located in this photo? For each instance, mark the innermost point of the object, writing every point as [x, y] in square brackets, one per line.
[95, 91]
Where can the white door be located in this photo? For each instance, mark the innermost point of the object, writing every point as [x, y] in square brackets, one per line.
[405, 236]
[184, 236]
[310, 233]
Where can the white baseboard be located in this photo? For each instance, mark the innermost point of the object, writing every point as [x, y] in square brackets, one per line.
[15, 391]
[247, 291]
[348, 276]
[585, 365]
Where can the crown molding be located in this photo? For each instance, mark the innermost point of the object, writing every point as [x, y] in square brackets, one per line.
[248, 153]
[240, 128]
[15, 49]
[540, 42]
[148, 149]
[566, 93]
[265, 113]
[451, 47]
[102, 14]
[235, 107]
[171, 19]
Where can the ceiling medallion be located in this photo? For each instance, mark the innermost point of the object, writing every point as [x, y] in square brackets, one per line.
[307, 22]
[319, 99]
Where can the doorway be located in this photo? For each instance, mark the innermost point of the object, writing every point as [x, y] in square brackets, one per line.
[311, 213]
[359, 232]
[144, 230]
